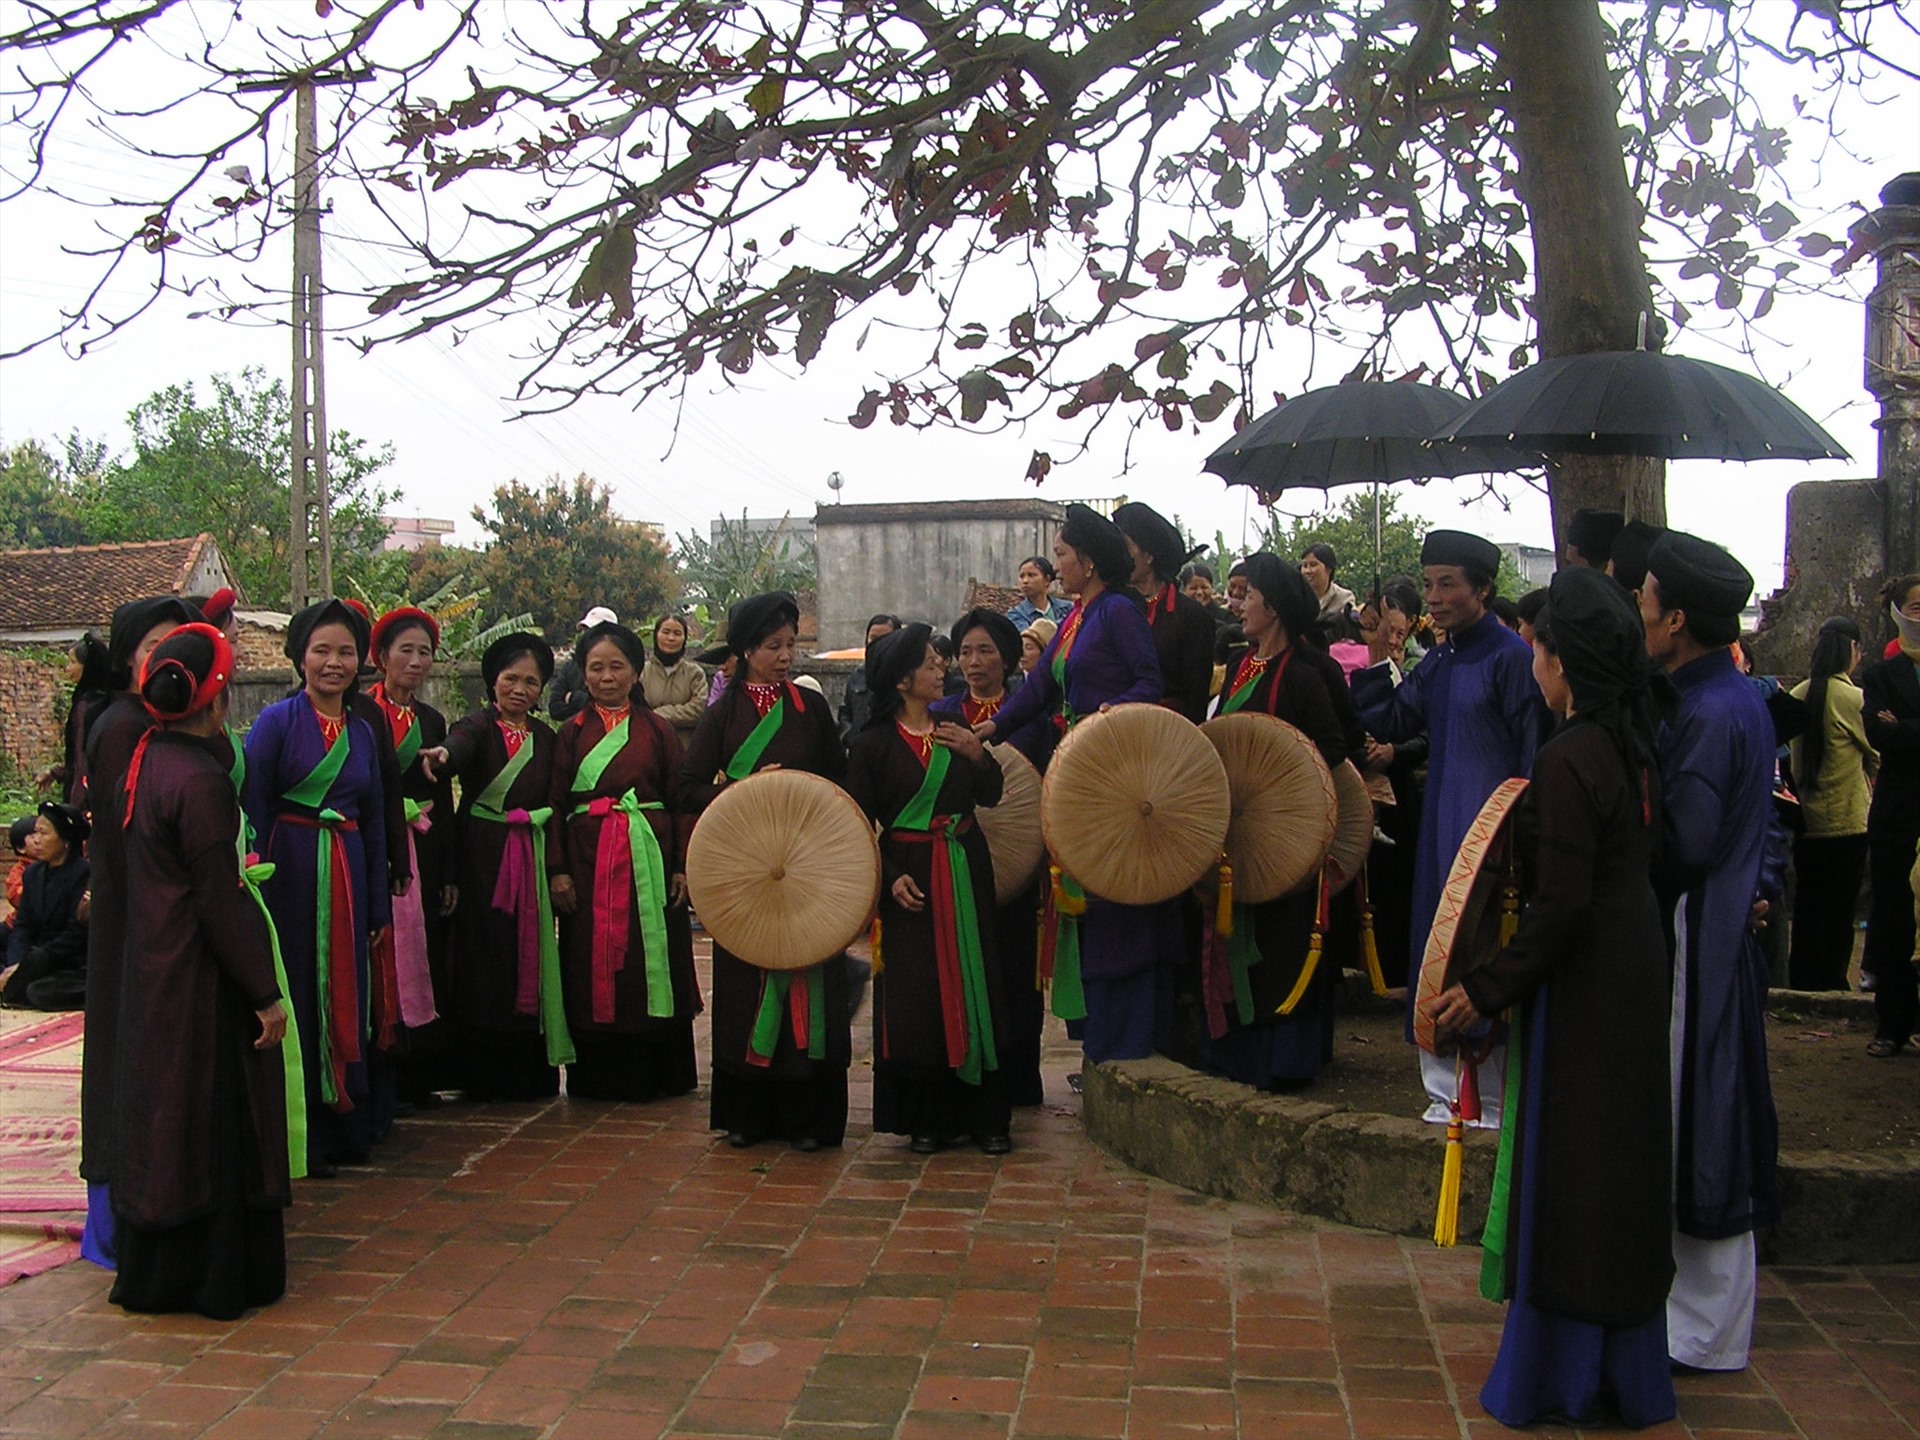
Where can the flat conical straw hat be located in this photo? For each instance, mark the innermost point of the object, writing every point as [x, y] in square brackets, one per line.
[783, 869]
[1012, 827]
[1467, 921]
[1284, 806]
[1353, 836]
[1135, 805]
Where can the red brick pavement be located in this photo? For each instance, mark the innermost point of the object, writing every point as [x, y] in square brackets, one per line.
[606, 1271]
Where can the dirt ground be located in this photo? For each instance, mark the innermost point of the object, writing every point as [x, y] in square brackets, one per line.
[1830, 1094]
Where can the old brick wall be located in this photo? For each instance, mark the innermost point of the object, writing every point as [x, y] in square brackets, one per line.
[32, 707]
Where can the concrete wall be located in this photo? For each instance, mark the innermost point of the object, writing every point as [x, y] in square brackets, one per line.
[1835, 566]
[917, 567]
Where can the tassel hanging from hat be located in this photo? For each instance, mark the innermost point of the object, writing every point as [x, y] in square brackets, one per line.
[1369, 942]
[1223, 907]
[1464, 1110]
[1065, 903]
[879, 958]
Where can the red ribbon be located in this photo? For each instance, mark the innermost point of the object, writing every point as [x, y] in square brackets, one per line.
[946, 938]
[612, 905]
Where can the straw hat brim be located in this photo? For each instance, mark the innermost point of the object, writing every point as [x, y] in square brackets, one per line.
[783, 869]
[1284, 806]
[1466, 923]
[1135, 806]
[1353, 836]
[1012, 828]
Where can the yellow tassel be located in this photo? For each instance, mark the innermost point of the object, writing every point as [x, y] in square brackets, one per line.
[1223, 910]
[1062, 901]
[1446, 1221]
[1370, 949]
[879, 960]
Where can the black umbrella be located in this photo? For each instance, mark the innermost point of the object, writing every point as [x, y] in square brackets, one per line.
[1363, 431]
[1642, 402]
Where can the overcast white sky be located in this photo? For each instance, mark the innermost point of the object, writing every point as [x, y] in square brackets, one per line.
[768, 444]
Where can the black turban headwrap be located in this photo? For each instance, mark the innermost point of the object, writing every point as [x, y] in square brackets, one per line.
[752, 620]
[890, 660]
[1101, 541]
[1631, 547]
[1156, 535]
[131, 622]
[1699, 576]
[509, 648]
[67, 821]
[1593, 626]
[324, 612]
[1458, 547]
[1592, 533]
[1285, 591]
[1006, 639]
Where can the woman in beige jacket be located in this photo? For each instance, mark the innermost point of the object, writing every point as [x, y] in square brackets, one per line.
[675, 686]
[1833, 765]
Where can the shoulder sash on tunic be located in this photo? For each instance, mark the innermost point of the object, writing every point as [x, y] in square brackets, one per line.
[633, 849]
[312, 791]
[522, 891]
[959, 960]
[755, 745]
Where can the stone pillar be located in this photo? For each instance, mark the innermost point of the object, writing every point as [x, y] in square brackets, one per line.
[1892, 235]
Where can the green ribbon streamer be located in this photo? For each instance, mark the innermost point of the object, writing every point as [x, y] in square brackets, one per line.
[1069, 999]
[323, 942]
[1243, 953]
[1240, 697]
[292, 1061]
[409, 745]
[1493, 1240]
[918, 817]
[594, 763]
[748, 755]
[649, 897]
[773, 1010]
[553, 1006]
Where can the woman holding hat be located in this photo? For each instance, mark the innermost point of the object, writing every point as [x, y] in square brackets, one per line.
[404, 642]
[1260, 1046]
[317, 806]
[616, 858]
[1183, 631]
[45, 962]
[202, 1174]
[988, 654]
[1102, 656]
[113, 731]
[760, 722]
[507, 1004]
[1585, 1255]
[938, 1016]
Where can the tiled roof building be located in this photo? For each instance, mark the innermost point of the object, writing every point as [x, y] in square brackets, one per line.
[52, 596]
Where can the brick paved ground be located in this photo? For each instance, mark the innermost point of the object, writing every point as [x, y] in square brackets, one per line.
[609, 1272]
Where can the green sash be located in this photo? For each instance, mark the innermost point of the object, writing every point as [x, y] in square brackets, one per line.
[755, 745]
[648, 865]
[1493, 1240]
[975, 1007]
[1068, 996]
[773, 1008]
[409, 744]
[491, 805]
[1243, 953]
[311, 793]
[292, 1061]
[1245, 693]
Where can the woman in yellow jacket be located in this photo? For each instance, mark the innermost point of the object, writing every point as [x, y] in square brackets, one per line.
[1833, 766]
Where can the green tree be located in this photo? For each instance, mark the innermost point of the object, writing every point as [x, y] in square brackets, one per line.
[458, 607]
[40, 492]
[1348, 528]
[739, 561]
[559, 550]
[1084, 206]
[225, 466]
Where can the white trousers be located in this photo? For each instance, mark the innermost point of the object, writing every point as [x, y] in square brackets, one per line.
[1710, 1308]
[1441, 1076]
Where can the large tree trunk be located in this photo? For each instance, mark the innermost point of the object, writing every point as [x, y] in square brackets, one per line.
[1591, 285]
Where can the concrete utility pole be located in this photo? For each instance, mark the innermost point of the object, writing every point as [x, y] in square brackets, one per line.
[309, 509]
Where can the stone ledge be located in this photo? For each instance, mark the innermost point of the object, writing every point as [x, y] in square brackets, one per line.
[1382, 1172]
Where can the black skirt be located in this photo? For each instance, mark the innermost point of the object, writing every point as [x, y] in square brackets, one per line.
[651, 1065]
